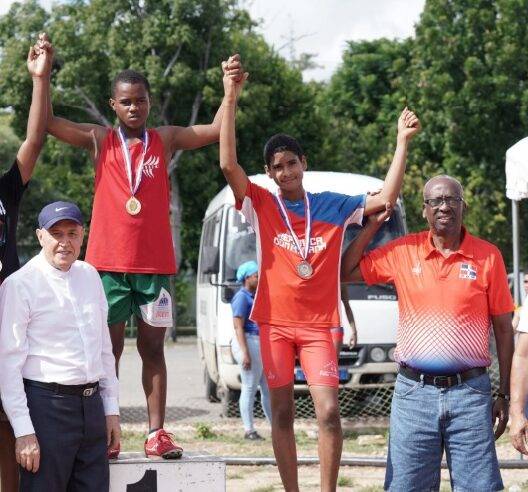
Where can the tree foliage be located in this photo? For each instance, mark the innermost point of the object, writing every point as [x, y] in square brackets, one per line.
[179, 45]
[465, 73]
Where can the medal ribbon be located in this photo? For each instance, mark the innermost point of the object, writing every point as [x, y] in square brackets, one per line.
[128, 161]
[308, 229]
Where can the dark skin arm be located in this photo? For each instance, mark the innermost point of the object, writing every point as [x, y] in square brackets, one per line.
[196, 136]
[241, 338]
[39, 64]
[350, 271]
[502, 328]
[84, 135]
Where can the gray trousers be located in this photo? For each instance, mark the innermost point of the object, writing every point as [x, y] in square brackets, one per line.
[71, 431]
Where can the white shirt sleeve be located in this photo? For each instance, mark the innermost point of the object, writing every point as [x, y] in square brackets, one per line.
[523, 317]
[109, 384]
[14, 320]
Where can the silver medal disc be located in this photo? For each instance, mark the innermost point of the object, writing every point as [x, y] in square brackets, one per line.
[304, 269]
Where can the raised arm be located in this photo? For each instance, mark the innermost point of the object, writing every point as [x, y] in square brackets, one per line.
[39, 66]
[233, 172]
[350, 271]
[408, 126]
[85, 135]
[195, 136]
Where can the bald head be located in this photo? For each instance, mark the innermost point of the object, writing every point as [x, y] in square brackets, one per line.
[444, 206]
[445, 181]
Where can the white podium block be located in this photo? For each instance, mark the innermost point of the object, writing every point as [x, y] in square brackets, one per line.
[194, 472]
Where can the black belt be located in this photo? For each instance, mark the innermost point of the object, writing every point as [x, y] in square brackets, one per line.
[66, 389]
[442, 381]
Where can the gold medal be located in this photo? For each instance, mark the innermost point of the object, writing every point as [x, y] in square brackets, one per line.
[304, 269]
[133, 206]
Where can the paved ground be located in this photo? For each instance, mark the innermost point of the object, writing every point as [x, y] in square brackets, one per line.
[185, 400]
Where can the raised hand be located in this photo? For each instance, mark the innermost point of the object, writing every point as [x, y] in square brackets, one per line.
[408, 125]
[40, 57]
[234, 75]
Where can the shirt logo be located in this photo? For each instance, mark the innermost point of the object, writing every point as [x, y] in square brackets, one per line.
[151, 164]
[468, 271]
[417, 269]
[317, 244]
[329, 370]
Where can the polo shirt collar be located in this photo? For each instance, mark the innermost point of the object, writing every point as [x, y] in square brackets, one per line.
[465, 249]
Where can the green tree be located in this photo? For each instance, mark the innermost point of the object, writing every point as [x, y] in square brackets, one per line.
[465, 75]
[179, 45]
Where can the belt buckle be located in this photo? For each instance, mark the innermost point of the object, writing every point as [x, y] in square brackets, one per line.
[437, 381]
[88, 391]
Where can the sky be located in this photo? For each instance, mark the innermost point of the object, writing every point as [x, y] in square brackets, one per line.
[322, 27]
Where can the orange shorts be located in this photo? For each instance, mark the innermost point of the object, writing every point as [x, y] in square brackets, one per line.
[314, 347]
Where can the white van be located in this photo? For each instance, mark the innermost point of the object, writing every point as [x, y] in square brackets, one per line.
[228, 240]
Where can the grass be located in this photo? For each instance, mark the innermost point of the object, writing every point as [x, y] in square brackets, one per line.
[219, 441]
[343, 481]
[269, 488]
[204, 431]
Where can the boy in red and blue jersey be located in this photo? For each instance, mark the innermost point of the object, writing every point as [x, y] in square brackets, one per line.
[299, 239]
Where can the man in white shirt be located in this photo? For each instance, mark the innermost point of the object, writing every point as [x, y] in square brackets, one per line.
[57, 372]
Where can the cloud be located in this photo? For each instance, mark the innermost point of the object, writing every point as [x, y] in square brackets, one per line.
[323, 27]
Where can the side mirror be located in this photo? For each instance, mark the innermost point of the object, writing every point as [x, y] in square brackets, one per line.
[210, 260]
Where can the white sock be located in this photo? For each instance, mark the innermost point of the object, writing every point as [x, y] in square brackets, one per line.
[152, 434]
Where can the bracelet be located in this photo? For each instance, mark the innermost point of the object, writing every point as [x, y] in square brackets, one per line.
[504, 396]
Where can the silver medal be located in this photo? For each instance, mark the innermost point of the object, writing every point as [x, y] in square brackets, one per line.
[304, 269]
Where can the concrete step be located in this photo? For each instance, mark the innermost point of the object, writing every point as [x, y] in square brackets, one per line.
[194, 472]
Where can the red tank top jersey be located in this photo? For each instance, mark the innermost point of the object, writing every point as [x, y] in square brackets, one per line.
[118, 241]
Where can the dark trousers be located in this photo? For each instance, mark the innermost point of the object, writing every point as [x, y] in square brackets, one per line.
[71, 431]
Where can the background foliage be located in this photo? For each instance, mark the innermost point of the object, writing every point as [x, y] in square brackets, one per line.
[464, 73]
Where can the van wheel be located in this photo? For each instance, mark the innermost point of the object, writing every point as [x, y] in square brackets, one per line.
[229, 399]
[210, 388]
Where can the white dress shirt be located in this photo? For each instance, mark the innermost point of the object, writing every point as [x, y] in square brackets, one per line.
[53, 329]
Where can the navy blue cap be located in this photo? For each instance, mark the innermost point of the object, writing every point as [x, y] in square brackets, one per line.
[56, 211]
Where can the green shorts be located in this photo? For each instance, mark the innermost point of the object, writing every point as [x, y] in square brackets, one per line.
[145, 295]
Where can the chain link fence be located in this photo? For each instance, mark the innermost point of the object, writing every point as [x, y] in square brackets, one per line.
[368, 401]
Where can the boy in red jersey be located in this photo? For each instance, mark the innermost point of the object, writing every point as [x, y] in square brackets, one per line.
[130, 240]
[299, 239]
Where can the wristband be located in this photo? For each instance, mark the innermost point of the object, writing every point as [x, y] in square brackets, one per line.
[504, 396]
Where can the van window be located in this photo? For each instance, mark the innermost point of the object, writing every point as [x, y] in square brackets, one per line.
[390, 230]
[210, 237]
[240, 244]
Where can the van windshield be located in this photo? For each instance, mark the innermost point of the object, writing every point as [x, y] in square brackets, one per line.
[240, 241]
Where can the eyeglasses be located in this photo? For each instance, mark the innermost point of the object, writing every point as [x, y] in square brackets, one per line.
[450, 201]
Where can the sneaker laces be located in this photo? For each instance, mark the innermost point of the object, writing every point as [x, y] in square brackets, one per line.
[167, 437]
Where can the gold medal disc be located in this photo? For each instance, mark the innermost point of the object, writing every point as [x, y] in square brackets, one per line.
[133, 206]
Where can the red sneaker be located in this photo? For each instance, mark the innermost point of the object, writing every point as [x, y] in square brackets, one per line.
[162, 445]
[113, 454]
